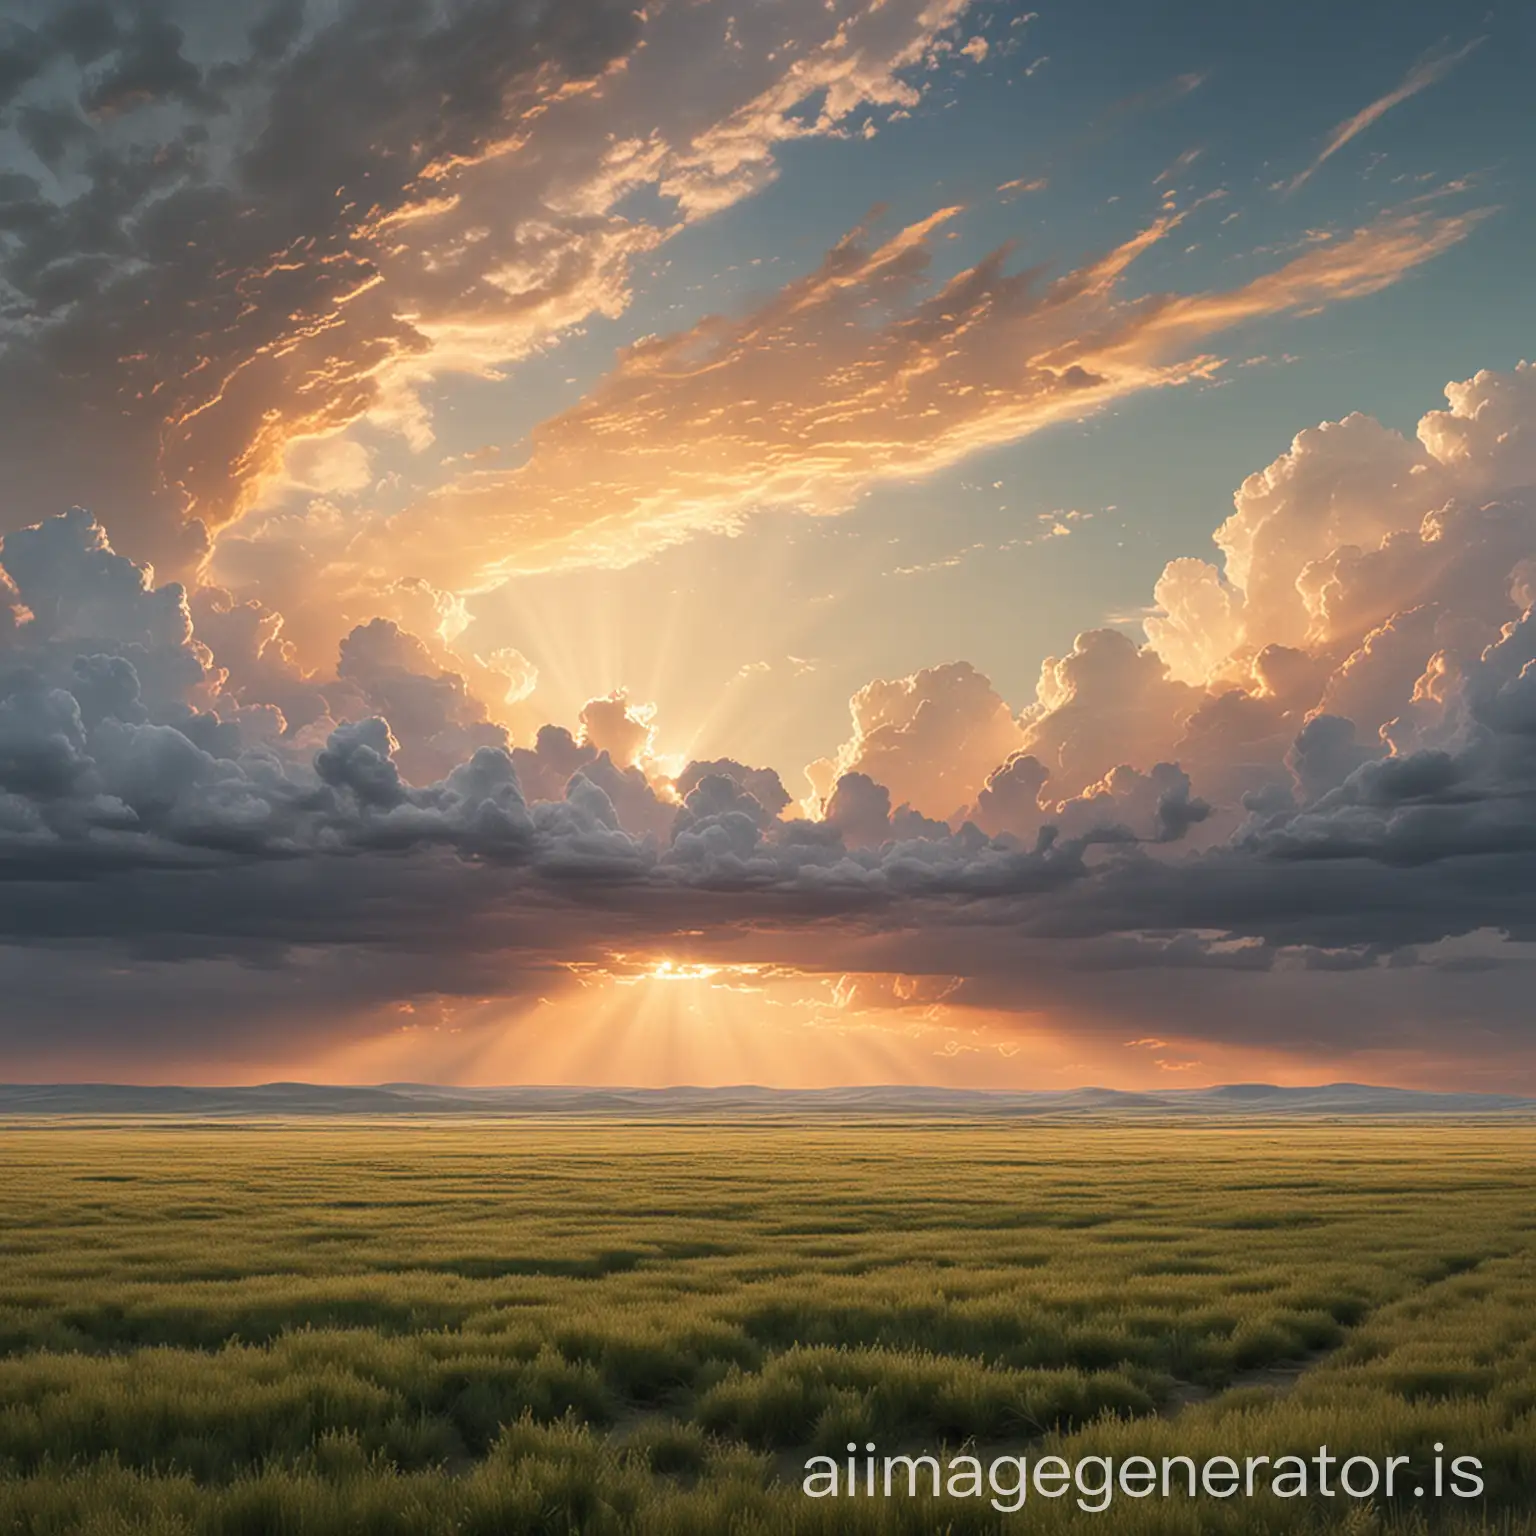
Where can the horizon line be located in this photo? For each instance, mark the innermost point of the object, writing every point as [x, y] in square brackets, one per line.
[399, 1085]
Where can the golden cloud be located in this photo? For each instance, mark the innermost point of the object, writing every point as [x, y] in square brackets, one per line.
[856, 373]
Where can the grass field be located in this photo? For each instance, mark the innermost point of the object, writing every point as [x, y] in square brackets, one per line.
[502, 1327]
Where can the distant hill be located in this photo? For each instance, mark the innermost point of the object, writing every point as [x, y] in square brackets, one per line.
[1234, 1101]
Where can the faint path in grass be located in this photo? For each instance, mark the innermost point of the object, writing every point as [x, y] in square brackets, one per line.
[633, 1422]
[1280, 1377]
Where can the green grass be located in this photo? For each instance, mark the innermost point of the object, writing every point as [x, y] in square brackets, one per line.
[596, 1327]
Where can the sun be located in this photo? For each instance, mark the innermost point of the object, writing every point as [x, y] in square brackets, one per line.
[675, 970]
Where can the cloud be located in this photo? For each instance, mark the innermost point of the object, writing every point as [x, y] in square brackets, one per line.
[249, 266]
[1106, 702]
[859, 60]
[236, 264]
[71, 596]
[265, 226]
[930, 739]
[1431, 68]
[1354, 524]
[762, 784]
[259, 663]
[859, 372]
[148, 67]
[432, 712]
[1009, 801]
[128, 755]
[711, 794]
[1156, 806]
[621, 729]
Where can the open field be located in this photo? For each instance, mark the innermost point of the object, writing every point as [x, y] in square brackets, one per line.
[518, 1327]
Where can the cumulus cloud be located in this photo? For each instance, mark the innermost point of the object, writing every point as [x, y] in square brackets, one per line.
[258, 662]
[127, 741]
[1355, 523]
[69, 595]
[762, 784]
[621, 729]
[1156, 806]
[1103, 703]
[930, 740]
[432, 712]
[860, 809]
[1010, 801]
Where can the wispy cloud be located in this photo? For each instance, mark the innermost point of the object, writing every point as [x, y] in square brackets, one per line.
[858, 372]
[1183, 163]
[328, 250]
[1432, 67]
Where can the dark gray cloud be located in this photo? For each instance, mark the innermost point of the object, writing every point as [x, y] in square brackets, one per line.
[762, 784]
[150, 818]
[147, 67]
[432, 710]
[83, 32]
[122, 796]
[200, 287]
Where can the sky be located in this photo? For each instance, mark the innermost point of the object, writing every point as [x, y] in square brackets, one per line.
[804, 542]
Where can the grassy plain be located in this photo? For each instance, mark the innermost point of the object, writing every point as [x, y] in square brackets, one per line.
[498, 1328]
